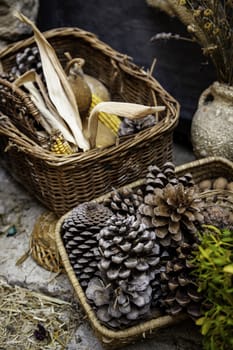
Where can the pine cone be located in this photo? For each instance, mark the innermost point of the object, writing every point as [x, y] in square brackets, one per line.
[125, 201]
[129, 255]
[8, 77]
[121, 306]
[176, 279]
[172, 211]
[126, 247]
[218, 216]
[79, 231]
[160, 177]
[29, 59]
[89, 214]
[129, 126]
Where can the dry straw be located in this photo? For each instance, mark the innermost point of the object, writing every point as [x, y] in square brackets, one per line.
[209, 23]
[24, 313]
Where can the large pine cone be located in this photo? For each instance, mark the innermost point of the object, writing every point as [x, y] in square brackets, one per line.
[79, 232]
[122, 306]
[127, 247]
[125, 201]
[172, 211]
[129, 256]
[160, 177]
[89, 214]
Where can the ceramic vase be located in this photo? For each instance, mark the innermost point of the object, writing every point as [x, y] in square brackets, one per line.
[212, 123]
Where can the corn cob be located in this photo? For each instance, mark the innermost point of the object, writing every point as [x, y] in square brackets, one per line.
[59, 145]
[112, 121]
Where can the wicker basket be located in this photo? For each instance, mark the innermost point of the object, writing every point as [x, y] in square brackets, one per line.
[211, 167]
[110, 339]
[43, 247]
[207, 168]
[61, 182]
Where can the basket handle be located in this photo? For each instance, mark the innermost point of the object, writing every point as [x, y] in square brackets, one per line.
[122, 109]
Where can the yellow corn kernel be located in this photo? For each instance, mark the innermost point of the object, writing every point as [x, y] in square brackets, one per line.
[112, 121]
[60, 146]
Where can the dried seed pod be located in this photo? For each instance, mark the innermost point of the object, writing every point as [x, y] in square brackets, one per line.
[79, 85]
[205, 185]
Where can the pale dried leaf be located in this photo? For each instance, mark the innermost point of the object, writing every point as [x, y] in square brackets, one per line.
[58, 86]
[121, 109]
[50, 121]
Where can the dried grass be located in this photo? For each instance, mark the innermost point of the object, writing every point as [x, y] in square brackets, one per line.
[21, 311]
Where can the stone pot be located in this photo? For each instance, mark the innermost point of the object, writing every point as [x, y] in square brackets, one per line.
[212, 123]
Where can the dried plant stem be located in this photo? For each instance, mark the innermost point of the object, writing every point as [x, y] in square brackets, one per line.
[210, 23]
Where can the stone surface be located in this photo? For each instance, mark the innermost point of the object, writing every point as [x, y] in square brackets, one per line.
[18, 208]
[11, 29]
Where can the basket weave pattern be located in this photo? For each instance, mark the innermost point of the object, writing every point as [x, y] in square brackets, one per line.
[61, 182]
[42, 243]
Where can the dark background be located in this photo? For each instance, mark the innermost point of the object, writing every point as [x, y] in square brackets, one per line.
[128, 26]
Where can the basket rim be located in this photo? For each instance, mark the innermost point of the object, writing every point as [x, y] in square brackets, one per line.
[125, 62]
[204, 162]
[146, 326]
[65, 31]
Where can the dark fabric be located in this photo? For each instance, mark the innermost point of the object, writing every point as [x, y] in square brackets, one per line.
[128, 26]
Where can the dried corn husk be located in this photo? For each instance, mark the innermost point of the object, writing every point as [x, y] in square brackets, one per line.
[59, 90]
[123, 109]
[104, 136]
[51, 121]
[82, 91]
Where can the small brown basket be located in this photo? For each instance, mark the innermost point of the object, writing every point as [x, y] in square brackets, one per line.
[211, 167]
[43, 247]
[61, 182]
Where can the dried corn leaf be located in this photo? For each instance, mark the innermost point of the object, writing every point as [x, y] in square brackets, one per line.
[122, 109]
[51, 120]
[104, 136]
[59, 89]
